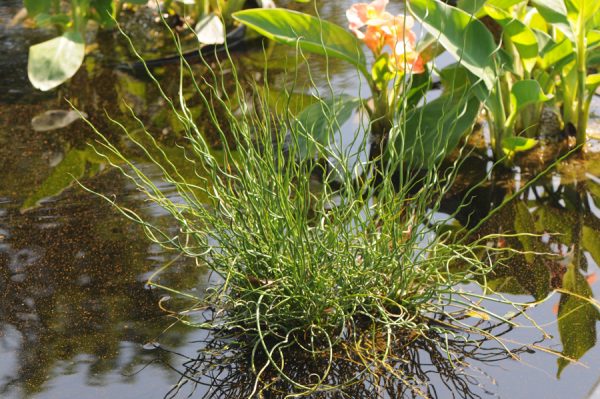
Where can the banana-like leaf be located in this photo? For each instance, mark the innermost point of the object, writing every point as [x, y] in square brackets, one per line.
[512, 145]
[555, 13]
[520, 35]
[462, 35]
[309, 33]
[433, 130]
[35, 7]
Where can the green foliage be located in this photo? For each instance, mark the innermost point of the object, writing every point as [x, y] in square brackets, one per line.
[419, 142]
[302, 260]
[463, 36]
[430, 132]
[55, 61]
[309, 33]
[319, 122]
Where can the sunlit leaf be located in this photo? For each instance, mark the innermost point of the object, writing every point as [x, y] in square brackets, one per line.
[555, 13]
[463, 36]
[309, 33]
[556, 55]
[381, 72]
[514, 144]
[210, 30]
[53, 62]
[476, 6]
[477, 314]
[526, 92]
[576, 318]
[520, 35]
[592, 81]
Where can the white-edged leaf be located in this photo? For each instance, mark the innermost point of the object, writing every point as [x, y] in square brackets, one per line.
[54, 61]
[210, 30]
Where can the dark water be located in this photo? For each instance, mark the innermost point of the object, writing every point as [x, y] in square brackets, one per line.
[77, 318]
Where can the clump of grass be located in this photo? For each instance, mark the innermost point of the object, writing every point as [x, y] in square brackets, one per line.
[335, 251]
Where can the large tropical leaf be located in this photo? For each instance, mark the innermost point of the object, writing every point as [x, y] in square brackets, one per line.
[433, 130]
[53, 62]
[555, 13]
[308, 32]
[462, 35]
[520, 35]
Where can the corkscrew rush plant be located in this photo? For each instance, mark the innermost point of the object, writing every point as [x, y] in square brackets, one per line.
[313, 254]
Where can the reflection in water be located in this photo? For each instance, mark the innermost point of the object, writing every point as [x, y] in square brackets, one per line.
[562, 252]
[413, 368]
[72, 285]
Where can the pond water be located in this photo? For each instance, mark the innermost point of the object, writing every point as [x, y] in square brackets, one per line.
[77, 318]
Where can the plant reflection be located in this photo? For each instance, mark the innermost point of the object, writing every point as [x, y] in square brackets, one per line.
[415, 368]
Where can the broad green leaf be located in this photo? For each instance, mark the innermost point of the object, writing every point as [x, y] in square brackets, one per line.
[35, 7]
[514, 144]
[535, 21]
[590, 241]
[62, 176]
[526, 92]
[53, 62]
[592, 81]
[433, 130]
[555, 13]
[381, 72]
[318, 122]
[475, 6]
[519, 34]
[463, 36]
[593, 40]
[576, 318]
[309, 33]
[556, 55]
[210, 30]
[576, 7]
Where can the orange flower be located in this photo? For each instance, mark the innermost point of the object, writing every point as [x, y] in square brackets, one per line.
[370, 15]
[383, 29]
[402, 40]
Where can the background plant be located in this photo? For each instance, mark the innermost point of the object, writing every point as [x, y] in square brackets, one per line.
[53, 62]
[398, 80]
